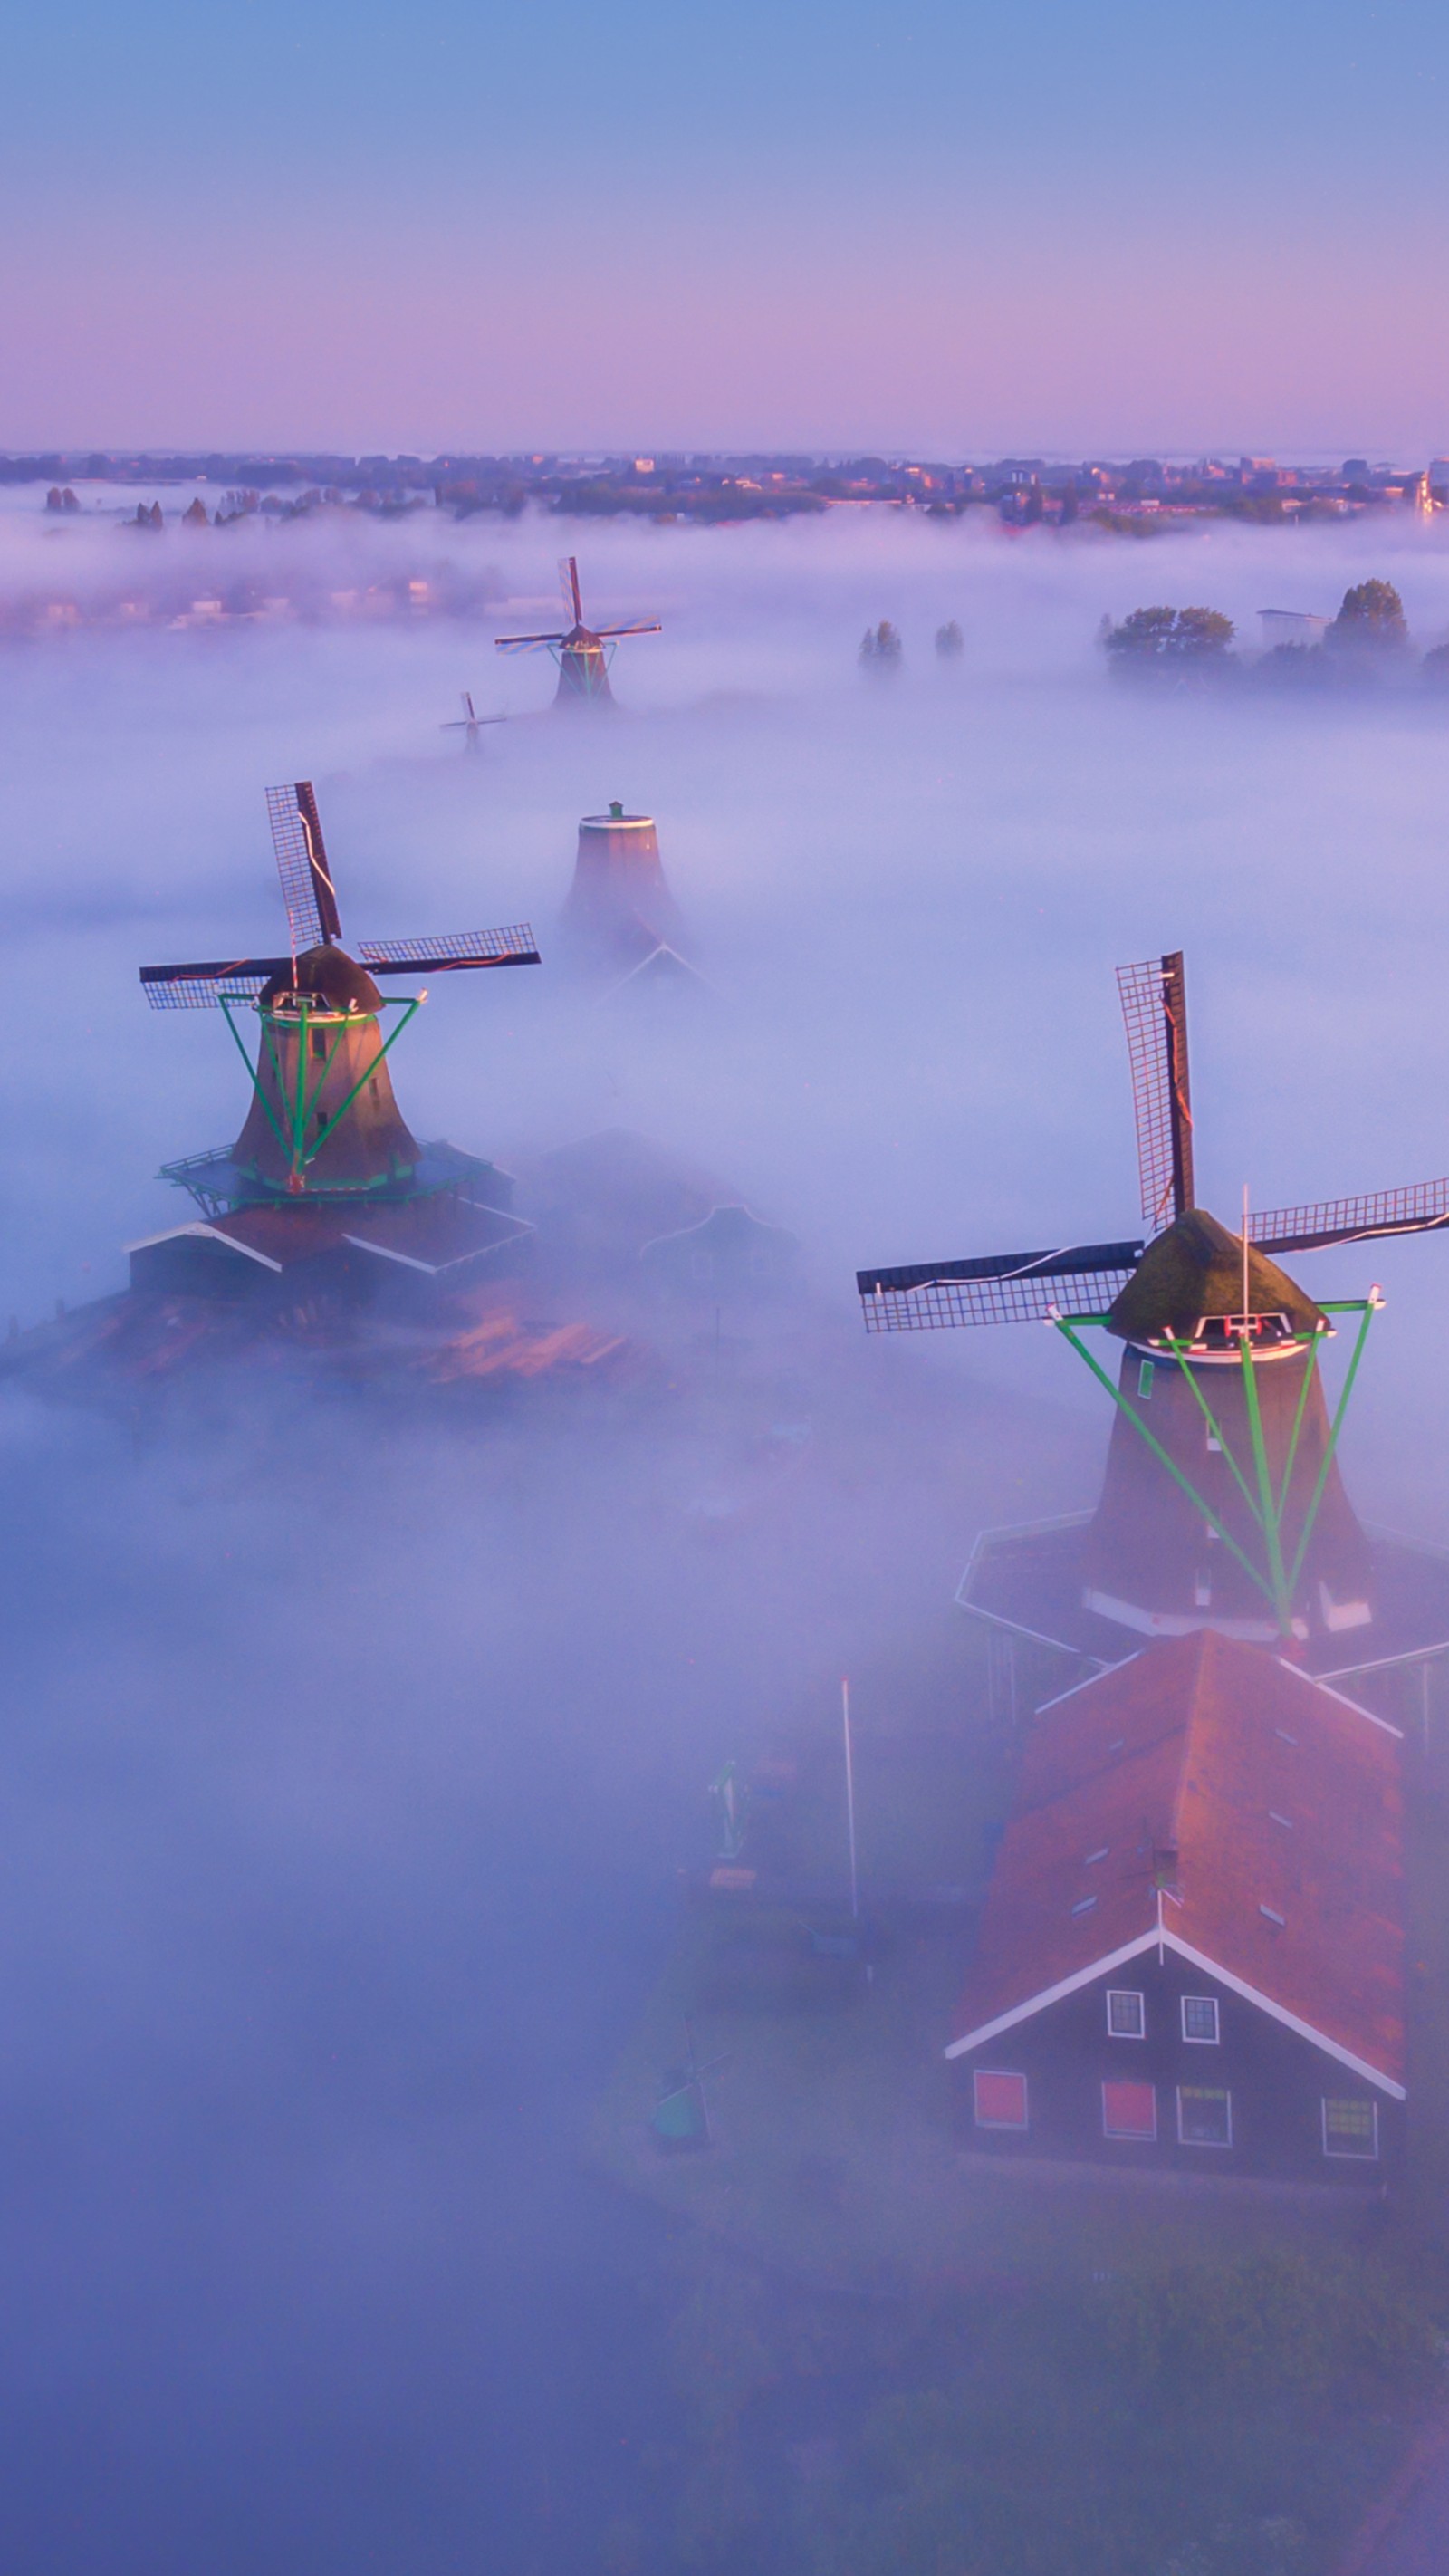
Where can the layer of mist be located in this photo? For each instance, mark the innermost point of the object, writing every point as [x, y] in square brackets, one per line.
[352, 1752]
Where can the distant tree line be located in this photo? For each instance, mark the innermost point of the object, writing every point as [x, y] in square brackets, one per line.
[1368, 639]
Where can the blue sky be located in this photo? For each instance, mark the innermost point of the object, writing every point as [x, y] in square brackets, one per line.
[560, 224]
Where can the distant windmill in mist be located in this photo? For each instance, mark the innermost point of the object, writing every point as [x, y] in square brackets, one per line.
[470, 724]
[583, 653]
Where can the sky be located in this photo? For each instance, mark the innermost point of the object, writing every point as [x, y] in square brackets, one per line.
[352, 1749]
[949, 229]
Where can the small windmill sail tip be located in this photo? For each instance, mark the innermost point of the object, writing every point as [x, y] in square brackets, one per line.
[1154, 1010]
[307, 888]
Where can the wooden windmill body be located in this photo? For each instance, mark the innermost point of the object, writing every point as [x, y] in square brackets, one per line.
[583, 653]
[325, 1167]
[1222, 1505]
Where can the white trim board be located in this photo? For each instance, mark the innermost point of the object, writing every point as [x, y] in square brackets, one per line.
[206, 1234]
[1160, 1937]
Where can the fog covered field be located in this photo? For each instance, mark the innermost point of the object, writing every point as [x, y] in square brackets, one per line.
[347, 1763]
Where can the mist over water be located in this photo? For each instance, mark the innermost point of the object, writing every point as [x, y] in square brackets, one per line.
[351, 1752]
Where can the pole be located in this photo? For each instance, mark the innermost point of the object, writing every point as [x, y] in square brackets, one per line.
[850, 1799]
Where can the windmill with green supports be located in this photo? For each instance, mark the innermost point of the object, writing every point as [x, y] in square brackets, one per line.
[1222, 1504]
[324, 1127]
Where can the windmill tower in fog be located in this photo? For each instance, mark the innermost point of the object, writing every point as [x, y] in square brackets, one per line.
[1222, 1505]
[323, 1128]
[620, 919]
[583, 653]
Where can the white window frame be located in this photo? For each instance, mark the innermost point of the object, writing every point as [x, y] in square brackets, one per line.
[1209, 2143]
[1194, 2038]
[1012, 2128]
[1352, 2155]
[1127, 2137]
[1116, 1994]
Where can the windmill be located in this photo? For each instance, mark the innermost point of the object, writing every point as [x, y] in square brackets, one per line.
[470, 724]
[680, 2118]
[1222, 1504]
[583, 653]
[324, 1125]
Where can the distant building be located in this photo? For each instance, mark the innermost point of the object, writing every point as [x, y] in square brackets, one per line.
[1191, 1950]
[729, 1255]
[1291, 626]
[620, 922]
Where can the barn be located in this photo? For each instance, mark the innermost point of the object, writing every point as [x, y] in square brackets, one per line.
[1190, 1954]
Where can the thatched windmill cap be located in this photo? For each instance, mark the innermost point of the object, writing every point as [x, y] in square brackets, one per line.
[330, 977]
[1195, 1269]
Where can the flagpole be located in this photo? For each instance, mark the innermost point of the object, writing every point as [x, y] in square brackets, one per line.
[849, 1797]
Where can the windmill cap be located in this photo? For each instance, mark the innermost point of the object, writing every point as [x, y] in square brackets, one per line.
[328, 975]
[1195, 1269]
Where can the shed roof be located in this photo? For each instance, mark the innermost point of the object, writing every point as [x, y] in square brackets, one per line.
[1212, 1796]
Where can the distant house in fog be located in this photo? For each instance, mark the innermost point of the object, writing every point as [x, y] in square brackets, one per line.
[1291, 626]
[730, 1255]
[1191, 1950]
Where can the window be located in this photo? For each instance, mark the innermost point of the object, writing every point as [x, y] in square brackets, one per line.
[1204, 2116]
[1000, 2100]
[1126, 2014]
[1129, 2111]
[1144, 1381]
[1200, 2020]
[1350, 2128]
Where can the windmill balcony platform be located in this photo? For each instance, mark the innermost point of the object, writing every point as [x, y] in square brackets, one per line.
[351, 1252]
[1029, 1585]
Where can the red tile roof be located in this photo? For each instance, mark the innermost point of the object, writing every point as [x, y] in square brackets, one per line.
[1223, 1790]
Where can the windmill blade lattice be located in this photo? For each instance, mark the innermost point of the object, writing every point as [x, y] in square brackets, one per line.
[203, 987]
[1420, 1207]
[452, 951]
[1154, 1008]
[1003, 1288]
[307, 888]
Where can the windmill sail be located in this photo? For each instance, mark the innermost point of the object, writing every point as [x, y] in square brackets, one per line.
[454, 951]
[1154, 1008]
[1420, 1207]
[568, 574]
[1002, 1288]
[307, 888]
[201, 987]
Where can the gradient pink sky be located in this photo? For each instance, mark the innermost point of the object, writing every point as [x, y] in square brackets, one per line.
[954, 229]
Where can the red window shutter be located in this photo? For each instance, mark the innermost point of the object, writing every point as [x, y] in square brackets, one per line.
[1000, 2100]
[1129, 2111]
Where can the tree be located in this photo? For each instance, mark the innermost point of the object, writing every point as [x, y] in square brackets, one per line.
[880, 648]
[1370, 620]
[949, 640]
[1177, 640]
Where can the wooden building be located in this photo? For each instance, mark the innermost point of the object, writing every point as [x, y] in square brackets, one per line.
[1191, 1950]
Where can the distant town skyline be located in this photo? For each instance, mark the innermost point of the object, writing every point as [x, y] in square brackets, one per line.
[952, 231]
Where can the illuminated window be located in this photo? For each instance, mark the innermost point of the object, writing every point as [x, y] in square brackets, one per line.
[1126, 2014]
[1350, 2128]
[1204, 2116]
[1129, 2111]
[1200, 2020]
[1000, 2100]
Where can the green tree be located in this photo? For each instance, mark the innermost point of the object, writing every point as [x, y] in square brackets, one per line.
[1170, 639]
[1370, 620]
[880, 648]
